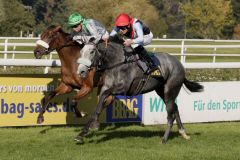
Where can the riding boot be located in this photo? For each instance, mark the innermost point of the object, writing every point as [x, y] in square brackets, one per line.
[144, 54]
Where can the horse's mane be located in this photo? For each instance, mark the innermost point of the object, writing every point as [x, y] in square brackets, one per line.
[116, 39]
[51, 27]
[65, 35]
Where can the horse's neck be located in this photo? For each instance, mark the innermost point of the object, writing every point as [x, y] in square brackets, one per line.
[113, 54]
[68, 57]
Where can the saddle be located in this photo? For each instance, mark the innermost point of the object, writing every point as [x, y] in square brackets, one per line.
[130, 55]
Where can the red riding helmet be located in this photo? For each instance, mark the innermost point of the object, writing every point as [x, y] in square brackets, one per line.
[122, 19]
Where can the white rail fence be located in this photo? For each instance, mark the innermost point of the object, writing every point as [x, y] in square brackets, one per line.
[11, 61]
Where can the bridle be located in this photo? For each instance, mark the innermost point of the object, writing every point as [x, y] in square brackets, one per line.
[48, 49]
[87, 62]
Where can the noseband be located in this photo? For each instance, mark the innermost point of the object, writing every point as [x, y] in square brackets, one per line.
[46, 46]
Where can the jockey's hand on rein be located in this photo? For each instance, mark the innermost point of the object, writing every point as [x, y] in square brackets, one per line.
[127, 42]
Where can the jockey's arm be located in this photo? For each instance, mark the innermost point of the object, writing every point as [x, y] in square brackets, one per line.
[139, 31]
[81, 38]
[97, 31]
[114, 32]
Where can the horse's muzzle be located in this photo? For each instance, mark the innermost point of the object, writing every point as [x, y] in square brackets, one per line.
[82, 71]
[37, 54]
[83, 74]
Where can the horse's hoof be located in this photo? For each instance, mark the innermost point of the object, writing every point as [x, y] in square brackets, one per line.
[94, 126]
[79, 140]
[185, 136]
[164, 141]
[84, 114]
[40, 120]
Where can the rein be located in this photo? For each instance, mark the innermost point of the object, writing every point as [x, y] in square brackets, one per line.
[65, 45]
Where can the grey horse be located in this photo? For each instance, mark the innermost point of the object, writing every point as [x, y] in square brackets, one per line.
[122, 77]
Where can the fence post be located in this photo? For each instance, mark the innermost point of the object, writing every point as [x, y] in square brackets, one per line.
[182, 52]
[46, 69]
[5, 51]
[13, 54]
[214, 54]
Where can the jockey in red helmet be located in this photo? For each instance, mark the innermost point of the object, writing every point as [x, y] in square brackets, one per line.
[137, 33]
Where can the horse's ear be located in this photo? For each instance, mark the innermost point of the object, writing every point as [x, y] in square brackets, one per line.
[57, 29]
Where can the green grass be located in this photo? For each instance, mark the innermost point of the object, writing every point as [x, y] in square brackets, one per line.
[209, 141]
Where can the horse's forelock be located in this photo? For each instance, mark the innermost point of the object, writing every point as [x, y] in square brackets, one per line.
[51, 27]
[51, 30]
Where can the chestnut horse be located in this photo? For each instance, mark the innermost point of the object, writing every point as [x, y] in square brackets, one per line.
[54, 38]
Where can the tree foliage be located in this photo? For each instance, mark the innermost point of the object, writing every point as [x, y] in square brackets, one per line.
[107, 10]
[236, 11]
[15, 18]
[173, 17]
[207, 19]
[236, 14]
[198, 18]
[48, 12]
[2, 11]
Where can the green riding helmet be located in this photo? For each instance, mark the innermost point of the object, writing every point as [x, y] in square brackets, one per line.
[74, 19]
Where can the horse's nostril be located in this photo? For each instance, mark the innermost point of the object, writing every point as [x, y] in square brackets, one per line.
[37, 54]
[82, 72]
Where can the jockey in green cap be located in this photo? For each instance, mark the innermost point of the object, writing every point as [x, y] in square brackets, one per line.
[85, 29]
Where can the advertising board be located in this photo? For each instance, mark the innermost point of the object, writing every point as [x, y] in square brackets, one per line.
[220, 101]
[20, 97]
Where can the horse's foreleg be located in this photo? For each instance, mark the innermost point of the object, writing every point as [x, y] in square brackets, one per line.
[44, 103]
[81, 93]
[94, 119]
[61, 89]
[95, 124]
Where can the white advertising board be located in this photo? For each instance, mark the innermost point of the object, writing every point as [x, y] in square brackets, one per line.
[220, 101]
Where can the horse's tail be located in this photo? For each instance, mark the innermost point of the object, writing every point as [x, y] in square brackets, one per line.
[193, 86]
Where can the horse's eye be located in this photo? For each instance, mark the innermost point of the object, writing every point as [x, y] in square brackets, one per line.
[91, 52]
[50, 37]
